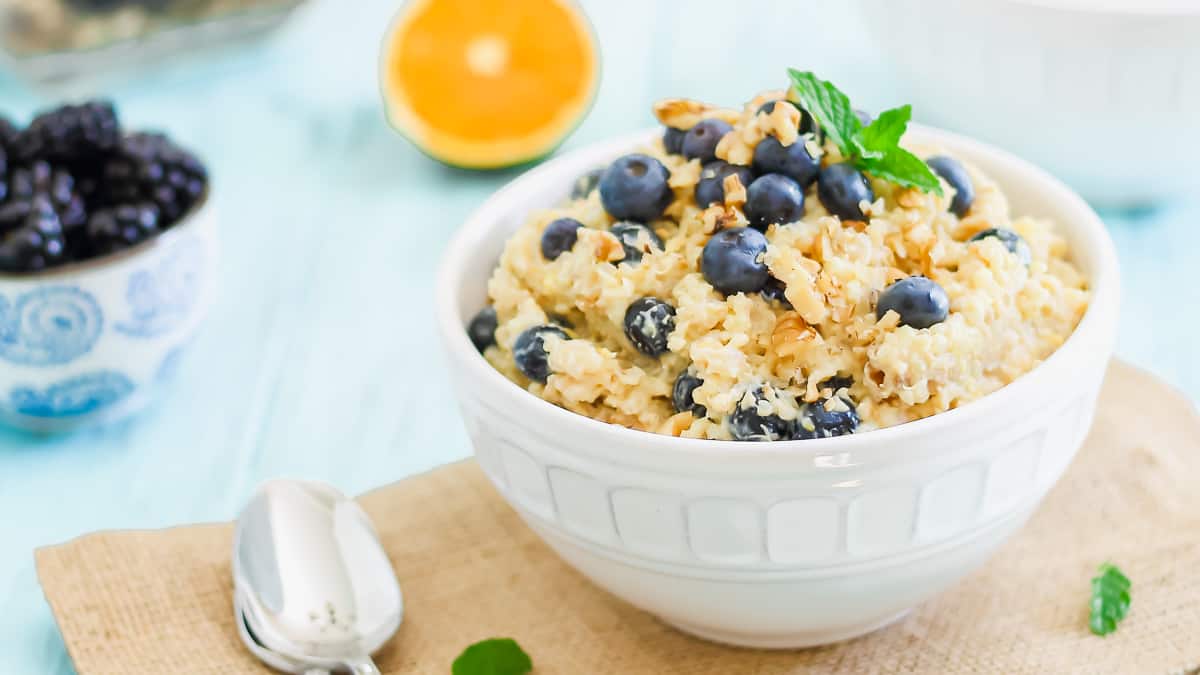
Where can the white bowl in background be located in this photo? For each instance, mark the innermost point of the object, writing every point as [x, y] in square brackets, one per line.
[92, 342]
[783, 544]
[1102, 93]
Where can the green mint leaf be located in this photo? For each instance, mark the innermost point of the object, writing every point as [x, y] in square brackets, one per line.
[903, 168]
[1110, 599]
[862, 152]
[882, 155]
[829, 106]
[884, 133]
[497, 656]
[874, 148]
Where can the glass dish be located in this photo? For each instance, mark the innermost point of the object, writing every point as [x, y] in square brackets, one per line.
[53, 40]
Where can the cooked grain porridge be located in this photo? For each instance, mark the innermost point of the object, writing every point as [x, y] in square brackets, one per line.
[737, 279]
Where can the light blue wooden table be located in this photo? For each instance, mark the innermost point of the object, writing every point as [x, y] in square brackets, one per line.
[320, 358]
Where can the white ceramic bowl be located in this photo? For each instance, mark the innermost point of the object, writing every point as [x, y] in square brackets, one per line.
[783, 544]
[1103, 93]
[92, 342]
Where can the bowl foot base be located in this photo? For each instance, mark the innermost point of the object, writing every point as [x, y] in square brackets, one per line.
[36, 425]
[783, 640]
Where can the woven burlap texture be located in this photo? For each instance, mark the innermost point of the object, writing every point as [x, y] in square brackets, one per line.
[159, 602]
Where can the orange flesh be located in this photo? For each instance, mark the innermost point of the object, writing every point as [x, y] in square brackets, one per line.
[490, 70]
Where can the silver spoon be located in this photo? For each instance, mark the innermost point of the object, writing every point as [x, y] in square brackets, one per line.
[311, 580]
[273, 659]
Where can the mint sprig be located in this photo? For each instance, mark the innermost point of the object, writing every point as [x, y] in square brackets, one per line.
[1110, 599]
[497, 656]
[874, 148]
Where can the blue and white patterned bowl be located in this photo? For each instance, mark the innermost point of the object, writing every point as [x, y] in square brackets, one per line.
[93, 341]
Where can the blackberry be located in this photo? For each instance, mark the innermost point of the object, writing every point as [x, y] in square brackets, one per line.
[149, 167]
[71, 133]
[36, 242]
[13, 214]
[113, 229]
[8, 133]
[40, 179]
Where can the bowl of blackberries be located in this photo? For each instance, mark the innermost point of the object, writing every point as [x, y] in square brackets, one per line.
[107, 263]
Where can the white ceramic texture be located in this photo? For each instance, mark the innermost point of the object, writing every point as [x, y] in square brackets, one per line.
[1102, 94]
[782, 544]
[94, 342]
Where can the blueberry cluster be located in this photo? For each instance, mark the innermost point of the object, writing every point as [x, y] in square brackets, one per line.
[826, 418]
[75, 186]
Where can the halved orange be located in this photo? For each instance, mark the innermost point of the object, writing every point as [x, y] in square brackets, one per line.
[485, 84]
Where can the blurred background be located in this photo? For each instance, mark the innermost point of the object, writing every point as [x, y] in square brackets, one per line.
[319, 358]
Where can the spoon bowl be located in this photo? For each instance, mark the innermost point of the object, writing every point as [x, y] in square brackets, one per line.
[312, 580]
[273, 659]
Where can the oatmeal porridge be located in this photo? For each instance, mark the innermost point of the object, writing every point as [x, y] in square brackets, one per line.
[747, 276]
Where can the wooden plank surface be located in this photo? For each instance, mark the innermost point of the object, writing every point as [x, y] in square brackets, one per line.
[320, 358]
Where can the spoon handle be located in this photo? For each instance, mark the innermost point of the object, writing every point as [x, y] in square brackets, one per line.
[363, 666]
[317, 671]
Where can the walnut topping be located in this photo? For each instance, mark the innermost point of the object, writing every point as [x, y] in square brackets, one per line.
[716, 218]
[681, 113]
[737, 147]
[792, 337]
[735, 192]
[685, 175]
[678, 423]
[783, 123]
[910, 198]
[608, 247]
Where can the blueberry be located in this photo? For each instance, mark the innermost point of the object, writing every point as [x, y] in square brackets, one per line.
[808, 123]
[673, 140]
[793, 161]
[681, 395]
[700, 142]
[836, 382]
[529, 351]
[636, 239]
[747, 424]
[773, 291]
[635, 188]
[648, 324]
[711, 188]
[919, 301]
[953, 173]
[774, 199]
[732, 260]
[482, 329]
[824, 419]
[864, 117]
[559, 237]
[586, 183]
[841, 188]
[1011, 240]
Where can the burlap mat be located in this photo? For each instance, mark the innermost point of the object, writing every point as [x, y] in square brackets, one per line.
[159, 602]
